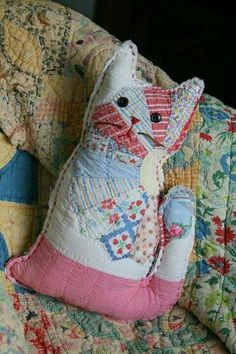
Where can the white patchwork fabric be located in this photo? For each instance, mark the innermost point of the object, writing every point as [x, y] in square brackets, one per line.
[88, 238]
[174, 264]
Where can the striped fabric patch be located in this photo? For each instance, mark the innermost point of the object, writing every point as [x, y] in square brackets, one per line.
[86, 193]
[159, 101]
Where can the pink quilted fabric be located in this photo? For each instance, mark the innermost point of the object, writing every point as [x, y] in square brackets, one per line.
[120, 298]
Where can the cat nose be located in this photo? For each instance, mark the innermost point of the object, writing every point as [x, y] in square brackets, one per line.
[134, 120]
[156, 117]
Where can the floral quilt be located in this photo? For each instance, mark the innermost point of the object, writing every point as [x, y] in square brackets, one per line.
[11, 329]
[32, 323]
[211, 293]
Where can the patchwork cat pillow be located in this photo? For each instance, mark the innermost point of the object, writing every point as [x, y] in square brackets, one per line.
[111, 243]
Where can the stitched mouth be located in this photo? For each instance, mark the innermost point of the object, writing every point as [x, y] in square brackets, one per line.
[108, 123]
[124, 132]
[128, 132]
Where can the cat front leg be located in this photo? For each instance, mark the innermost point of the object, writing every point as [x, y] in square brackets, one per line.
[178, 210]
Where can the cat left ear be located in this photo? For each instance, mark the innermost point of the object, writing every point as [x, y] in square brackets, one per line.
[122, 69]
[125, 61]
[119, 71]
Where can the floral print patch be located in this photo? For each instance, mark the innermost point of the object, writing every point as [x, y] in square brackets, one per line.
[148, 234]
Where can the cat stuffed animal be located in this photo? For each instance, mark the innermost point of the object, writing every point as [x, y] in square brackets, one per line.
[109, 243]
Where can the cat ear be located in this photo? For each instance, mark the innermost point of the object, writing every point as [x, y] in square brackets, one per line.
[123, 67]
[119, 71]
[185, 98]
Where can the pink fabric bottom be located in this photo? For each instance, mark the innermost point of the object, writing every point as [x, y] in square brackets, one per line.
[49, 272]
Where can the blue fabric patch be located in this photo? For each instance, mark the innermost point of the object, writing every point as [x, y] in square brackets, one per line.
[203, 267]
[118, 242]
[202, 229]
[228, 163]
[18, 179]
[90, 164]
[178, 211]
[212, 113]
[4, 256]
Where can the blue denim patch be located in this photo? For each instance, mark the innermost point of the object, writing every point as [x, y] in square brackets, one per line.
[90, 164]
[178, 207]
[3, 252]
[18, 179]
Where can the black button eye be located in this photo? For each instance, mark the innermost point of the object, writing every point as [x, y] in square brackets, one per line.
[122, 102]
[156, 117]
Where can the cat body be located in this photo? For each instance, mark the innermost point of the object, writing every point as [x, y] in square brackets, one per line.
[102, 244]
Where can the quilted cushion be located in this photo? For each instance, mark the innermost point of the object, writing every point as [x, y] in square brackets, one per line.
[87, 46]
[103, 200]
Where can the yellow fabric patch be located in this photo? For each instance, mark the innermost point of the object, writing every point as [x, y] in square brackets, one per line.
[186, 177]
[44, 2]
[7, 151]
[62, 87]
[17, 224]
[6, 284]
[2, 9]
[23, 49]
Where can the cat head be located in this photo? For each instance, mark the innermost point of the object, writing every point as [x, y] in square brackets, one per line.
[136, 114]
